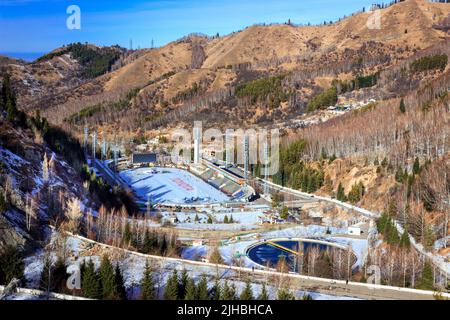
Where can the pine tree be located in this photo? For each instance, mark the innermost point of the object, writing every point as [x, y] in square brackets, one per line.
[340, 195]
[183, 284]
[210, 221]
[147, 285]
[404, 240]
[91, 283]
[231, 219]
[402, 106]
[263, 294]
[60, 275]
[226, 293]
[285, 294]
[416, 166]
[11, 265]
[216, 295]
[247, 293]
[426, 281]
[191, 290]
[120, 286]
[108, 279]
[202, 289]
[53, 276]
[225, 220]
[9, 99]
[171, 290]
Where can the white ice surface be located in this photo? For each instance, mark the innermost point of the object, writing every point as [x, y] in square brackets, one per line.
[173, 186]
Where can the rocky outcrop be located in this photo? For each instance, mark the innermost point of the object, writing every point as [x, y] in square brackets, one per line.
[12, 235]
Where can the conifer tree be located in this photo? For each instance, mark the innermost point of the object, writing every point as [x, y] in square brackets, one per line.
[263, 295]
[225, 290]
[108, 279]
[404, 240]
[91, 283]
[183, 284]
[416, 166]
[231, 220]
[426, 281]
[191, 290]
[11, 265]
[402, 106]
[216, 291]
[225, 220]
[340, 195]
[171, 290]
[247, 293]
[285, 294]
[202, 289]
[120, 286]
[147, 285]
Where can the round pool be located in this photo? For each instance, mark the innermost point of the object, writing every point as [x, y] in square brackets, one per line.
[268, 254]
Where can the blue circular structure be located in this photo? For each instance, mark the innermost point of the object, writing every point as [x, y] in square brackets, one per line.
[269, 252]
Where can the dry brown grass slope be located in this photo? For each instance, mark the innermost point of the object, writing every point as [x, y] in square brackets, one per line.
[406, 23]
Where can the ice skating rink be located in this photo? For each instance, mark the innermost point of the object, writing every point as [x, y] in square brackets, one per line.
[171, 185]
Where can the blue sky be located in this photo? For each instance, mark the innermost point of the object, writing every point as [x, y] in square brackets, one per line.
[40, 26]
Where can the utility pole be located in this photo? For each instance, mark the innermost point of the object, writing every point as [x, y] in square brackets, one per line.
[94, 145]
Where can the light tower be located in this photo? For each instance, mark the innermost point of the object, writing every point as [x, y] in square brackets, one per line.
[266, 168]
[229, 148]
[94, 144]
[103, 148]
[115, 157]
[197, 142]
[246, 156]
[86, 138]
